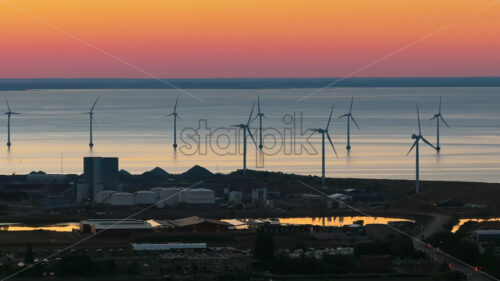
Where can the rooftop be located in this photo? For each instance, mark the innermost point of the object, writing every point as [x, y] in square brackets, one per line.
[191, 221]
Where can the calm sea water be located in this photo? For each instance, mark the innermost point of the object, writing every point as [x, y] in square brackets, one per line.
[132, 126]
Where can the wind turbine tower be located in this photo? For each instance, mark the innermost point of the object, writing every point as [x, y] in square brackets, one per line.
[176, 116]
[439, 118]
[260, 115]
[415, 145]
[246, 128]
[9, 114]
[92, 121]
[324, 132]
[349, 118]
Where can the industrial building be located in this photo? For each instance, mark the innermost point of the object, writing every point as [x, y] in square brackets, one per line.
[259, 195]
[488, 240]
[167, 246]
[195, 224]
[207, 261]
[114, 226]
[100, 173]
[161, 196]
[339, 199]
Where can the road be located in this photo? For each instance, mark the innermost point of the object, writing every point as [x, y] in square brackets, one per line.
[439, 257]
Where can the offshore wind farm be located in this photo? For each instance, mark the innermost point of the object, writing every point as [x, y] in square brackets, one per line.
[250, 140]
[132, 126]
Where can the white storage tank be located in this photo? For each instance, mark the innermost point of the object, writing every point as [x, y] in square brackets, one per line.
[157, 190]
[200, 196]
[183, 195]
[122, 199]
[259, 194]
[145, 197]
[160, 205]
[170, 196]
[103, 197]
[236, 196]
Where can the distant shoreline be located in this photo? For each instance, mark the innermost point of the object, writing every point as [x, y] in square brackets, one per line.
[23, 84]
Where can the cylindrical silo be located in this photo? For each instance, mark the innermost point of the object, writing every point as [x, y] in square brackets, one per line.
[103, 197]
[200, 196]
[122, 199]
[170, 196]
[145, 197]
[236, 196]
[157, 190]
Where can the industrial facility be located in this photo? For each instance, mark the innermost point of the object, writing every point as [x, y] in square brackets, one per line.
[114, 226]
[163, 197]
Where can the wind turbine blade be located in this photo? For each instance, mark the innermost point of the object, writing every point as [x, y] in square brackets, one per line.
[329, 118]
[15, 113]
[427, 142]
[169, 115]
[251, 113]
[92, 109]
[355, 123]
[250, 133]
[253, 119]
[175, 106]
[331, 142]
[418, 117]
[352, 101]
[411, 148]
[343, 115]
[432, 118]
[444, 121]
[177, 116]
[7, 102]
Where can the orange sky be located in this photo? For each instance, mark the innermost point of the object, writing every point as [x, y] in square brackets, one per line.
[257, 38]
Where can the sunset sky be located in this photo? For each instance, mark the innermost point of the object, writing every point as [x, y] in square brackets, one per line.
[254, 38]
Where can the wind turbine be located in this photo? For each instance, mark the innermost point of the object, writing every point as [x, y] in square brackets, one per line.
[9, 113]
[439, 117]
[246, 128]
[349, 118]
[417, 139]
[259, 115]
[324, 132]
[91, 116]
[176, 116]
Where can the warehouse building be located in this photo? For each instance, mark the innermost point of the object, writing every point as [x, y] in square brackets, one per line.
[114, 226]
[488, 241]
[195, 224]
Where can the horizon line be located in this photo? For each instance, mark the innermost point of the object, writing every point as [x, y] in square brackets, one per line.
[249, 77]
